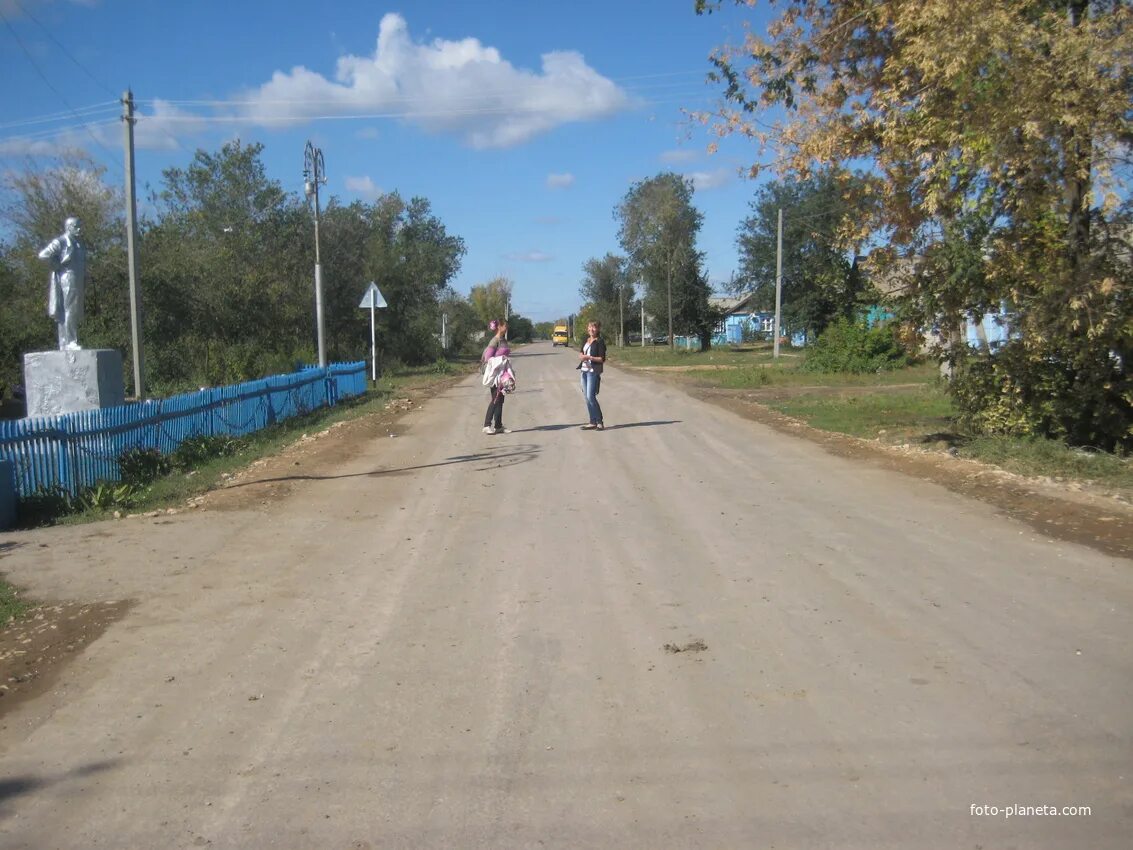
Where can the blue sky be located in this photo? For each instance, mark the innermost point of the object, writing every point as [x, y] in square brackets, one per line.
[523, 123]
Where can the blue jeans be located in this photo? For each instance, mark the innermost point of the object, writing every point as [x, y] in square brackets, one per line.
[591, 381]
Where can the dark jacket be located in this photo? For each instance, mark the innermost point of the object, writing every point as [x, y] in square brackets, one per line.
[597, 349]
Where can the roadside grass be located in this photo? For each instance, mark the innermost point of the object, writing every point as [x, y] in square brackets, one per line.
[755, 365]
[12, 607]
[1049, 458]
[897, 416]
[908, 405]
[925, 416]
[661, 355]
[175, 488]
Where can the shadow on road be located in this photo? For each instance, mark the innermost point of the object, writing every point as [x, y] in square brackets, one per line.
[570, 425]
[546, 428]
[16, 786]
[643, 424]
[493, 458]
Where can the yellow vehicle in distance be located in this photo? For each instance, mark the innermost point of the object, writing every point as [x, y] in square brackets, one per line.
[559, 336]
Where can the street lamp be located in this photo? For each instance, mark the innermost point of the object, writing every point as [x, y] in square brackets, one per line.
[314, 173]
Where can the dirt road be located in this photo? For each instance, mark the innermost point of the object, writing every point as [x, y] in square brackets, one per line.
[688, 630]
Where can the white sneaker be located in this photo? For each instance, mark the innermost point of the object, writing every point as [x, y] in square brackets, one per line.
[488, 429]
[503, 430]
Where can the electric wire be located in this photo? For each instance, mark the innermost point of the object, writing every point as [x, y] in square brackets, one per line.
[47, 82]
[83, 111]
[43, 135]
[66, 52]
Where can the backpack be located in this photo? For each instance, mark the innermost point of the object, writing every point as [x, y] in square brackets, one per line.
[499, 372]
[506, 380]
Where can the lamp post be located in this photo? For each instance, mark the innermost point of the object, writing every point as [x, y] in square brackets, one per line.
[314, 173]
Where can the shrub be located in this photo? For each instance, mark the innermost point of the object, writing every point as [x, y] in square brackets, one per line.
[143, 466]
[194, 451]
[1081, 396]
[847, 346]
[107, 496]
[44, 506]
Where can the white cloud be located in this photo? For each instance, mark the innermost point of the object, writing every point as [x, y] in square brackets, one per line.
[368, 133]
[364, 187]
[703, 180]
[560, 181]
[529, 257]
[461, 87]
[678, 155]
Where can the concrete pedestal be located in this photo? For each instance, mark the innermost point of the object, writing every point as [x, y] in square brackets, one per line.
[68, 381]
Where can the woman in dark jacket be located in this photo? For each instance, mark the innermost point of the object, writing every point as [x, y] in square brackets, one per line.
[591, 360]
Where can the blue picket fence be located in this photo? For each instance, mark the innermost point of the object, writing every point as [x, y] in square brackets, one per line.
[77, 450]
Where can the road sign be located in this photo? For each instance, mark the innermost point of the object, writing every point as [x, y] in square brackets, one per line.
[372, 299]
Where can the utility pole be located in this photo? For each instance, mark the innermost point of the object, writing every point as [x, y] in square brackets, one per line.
[778, 279]
[671, 258]
[643, 322]
[128, 120]
[314, 173]
[621, 320]
[444, 344]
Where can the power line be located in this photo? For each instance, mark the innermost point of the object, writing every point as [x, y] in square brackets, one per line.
[66, 52]
[58, 116]
[43, 135]
[47, 82]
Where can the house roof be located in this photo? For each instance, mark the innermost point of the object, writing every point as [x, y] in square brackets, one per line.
[732, 305]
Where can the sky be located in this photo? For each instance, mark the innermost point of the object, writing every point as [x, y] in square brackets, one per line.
[523, 123]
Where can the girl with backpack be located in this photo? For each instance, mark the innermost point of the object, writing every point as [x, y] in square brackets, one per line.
[498, 375]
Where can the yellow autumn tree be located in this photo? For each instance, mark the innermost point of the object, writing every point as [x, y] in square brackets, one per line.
[996, 131]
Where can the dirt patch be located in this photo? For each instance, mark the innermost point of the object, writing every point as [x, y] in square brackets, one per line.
[34, 649]
[272, 478]
[694, 646]
[1078, 513]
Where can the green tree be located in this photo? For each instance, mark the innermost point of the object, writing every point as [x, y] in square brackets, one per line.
[658, 230]
[490, 300]
[462, 325]
[1013, 112]
[413, 259]
[606, 285]
[222, 273]
[520, 328]
[820, 279]
[35, 202]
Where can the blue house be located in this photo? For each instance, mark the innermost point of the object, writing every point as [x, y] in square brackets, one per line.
[741, 320]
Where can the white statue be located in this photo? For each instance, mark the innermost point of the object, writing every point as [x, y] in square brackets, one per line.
[69, 276]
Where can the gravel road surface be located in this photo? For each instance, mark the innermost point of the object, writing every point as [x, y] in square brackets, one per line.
[685, 631]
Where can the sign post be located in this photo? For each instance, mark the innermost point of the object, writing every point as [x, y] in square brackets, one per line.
[373, 299]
